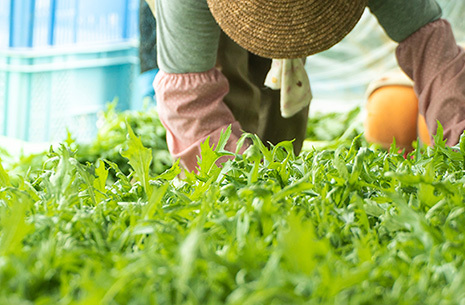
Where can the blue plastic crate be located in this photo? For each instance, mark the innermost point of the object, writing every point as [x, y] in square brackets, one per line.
[38, 23]
[42, 94]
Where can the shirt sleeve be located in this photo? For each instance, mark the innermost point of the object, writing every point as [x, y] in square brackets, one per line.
[187, 36]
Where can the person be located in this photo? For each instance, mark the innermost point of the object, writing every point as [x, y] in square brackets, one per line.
[392, 104]
[208, 81]
[147, 57]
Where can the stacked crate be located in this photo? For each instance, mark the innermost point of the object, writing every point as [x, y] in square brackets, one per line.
[61, 61]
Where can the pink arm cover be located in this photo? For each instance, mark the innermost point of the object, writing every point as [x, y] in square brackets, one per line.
[191, 107]
[432, 58]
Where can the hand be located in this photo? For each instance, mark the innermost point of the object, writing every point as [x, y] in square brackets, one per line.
[402, 18]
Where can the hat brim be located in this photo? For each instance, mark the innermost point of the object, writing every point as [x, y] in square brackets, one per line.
[287, 28]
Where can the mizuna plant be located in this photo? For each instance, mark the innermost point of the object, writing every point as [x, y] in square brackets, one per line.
[343, 225]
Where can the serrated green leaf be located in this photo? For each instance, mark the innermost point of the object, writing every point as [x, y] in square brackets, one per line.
[101, 176]
[4, 177]
[301, 247]
[14, 225]
[139, 158]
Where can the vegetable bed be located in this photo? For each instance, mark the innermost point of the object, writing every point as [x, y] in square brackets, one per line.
[344, 224]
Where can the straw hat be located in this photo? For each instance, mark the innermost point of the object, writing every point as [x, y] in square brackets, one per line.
[287, 28]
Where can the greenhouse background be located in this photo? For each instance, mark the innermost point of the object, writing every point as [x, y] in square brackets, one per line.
[61, 61]
[340, 76]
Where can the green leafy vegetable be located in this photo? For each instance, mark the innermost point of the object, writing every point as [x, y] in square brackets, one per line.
[348, 224]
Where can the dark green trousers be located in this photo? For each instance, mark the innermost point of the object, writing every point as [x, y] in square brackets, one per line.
[256, 107]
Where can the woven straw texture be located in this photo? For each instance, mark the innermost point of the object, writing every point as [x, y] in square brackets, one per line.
[287, 28]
